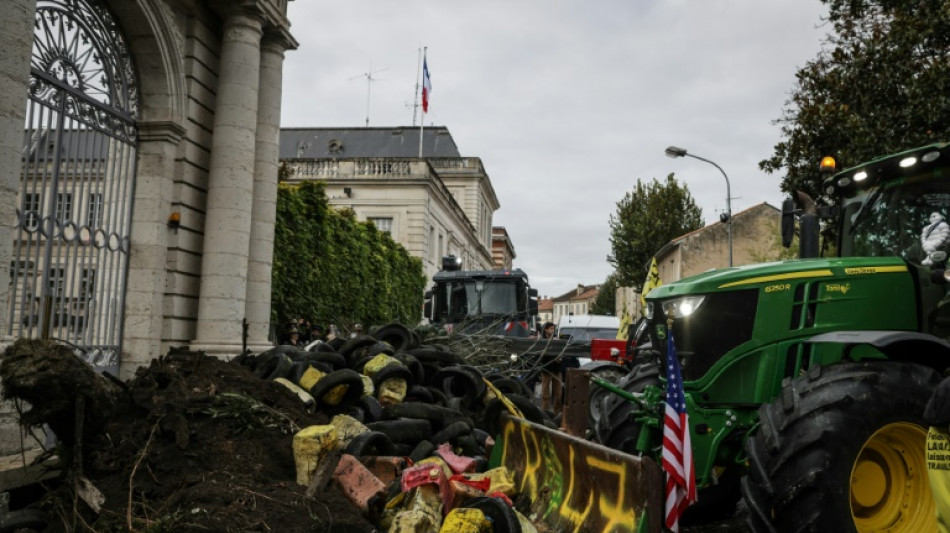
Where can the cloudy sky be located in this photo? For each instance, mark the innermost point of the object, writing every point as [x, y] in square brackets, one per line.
[567, 102]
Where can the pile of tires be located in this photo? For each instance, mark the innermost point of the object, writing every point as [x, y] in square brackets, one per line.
[407, 400]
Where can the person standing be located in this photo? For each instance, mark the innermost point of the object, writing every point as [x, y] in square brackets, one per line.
[550, 373]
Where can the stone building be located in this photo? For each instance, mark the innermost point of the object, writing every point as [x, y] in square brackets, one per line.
[435, 205]
[755, 239]
[502, 250]
[139, 204]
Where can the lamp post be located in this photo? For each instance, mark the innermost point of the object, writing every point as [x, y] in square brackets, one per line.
[674, 152]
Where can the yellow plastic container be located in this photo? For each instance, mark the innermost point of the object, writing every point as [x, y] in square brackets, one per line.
[466, 521]
[311, 446]
[302, 394]
[347, 428]
[392, 391]
[379, 362]
[527, 526]
[309, 378]
[423, 512]
[368, 388]
[501, 478]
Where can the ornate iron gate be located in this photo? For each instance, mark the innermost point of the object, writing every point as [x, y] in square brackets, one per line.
[70, 255]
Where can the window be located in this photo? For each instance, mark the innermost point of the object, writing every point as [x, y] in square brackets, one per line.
[435, 251]
[382, 223]
[94, 211]
[441, 245]
[31, 210]
[56, 281]
[64, 207]
[87, 286]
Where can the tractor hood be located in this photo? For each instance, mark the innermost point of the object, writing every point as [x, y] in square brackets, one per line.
[764, 274]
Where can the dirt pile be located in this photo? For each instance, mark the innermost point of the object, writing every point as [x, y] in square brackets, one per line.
[193, 443]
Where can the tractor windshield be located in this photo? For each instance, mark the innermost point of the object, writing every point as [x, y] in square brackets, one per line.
[896, 217]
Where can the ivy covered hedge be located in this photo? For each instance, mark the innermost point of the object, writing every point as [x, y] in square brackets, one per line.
[332, 269]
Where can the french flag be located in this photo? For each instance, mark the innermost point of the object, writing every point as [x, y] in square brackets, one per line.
[426, 86]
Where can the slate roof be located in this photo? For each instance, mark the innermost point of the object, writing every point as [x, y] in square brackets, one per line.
[366, 142]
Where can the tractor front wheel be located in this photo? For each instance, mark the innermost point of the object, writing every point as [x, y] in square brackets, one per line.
[843, 449]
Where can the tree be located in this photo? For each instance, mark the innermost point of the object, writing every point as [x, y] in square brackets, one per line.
[878, 86]
[647, 219]
[605, 303]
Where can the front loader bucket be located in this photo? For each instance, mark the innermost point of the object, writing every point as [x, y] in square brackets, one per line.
[577, 485]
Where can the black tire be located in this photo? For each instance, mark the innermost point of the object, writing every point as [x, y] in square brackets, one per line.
[372, 410]
[413, 364]
[827, 427]
[462, 382]
[418, 393]
[347, 377]
[352, 348]
[509, 386]
[403, 431]
[422, 450]
[438, 415]
[335, 360]
[451, 432]
[396, 334]
[278, 366]
[370, 443]
[23, 519]
[392, 371]
[435, 356]
[502, 516]
[615, 429]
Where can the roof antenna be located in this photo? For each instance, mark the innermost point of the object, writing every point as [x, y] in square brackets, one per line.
[369, 85]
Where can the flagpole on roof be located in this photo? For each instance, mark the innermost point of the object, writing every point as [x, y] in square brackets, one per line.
[425, 83]
[415, 98]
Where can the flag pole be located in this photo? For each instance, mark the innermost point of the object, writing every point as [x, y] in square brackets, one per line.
[415, 99]
[422, 118]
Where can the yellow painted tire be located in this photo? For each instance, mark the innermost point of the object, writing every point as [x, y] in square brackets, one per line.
[842, 449]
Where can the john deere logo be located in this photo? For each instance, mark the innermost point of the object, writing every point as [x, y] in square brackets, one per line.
[843, 288]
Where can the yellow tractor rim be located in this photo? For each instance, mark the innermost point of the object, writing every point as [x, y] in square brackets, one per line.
[889, 486]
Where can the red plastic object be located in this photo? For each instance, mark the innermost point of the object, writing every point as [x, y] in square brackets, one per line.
[600, 350]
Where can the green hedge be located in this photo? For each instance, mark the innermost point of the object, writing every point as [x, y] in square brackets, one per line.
[332, 269]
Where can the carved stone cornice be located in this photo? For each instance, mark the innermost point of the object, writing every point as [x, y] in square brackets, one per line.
[272, 13]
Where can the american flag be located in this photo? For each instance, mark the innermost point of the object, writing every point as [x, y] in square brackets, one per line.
[677, 452]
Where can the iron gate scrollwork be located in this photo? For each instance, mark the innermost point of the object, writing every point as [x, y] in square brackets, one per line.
[70, 254]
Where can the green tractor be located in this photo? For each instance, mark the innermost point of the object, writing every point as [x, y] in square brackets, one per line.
[806, 380]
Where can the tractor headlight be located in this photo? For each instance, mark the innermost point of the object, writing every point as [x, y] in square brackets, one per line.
[681, 307]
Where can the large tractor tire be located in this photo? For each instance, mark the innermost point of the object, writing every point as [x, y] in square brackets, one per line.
[615, 429]
[843, 449]
[607, 371]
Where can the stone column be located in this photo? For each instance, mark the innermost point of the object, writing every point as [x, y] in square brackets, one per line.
[16, 41]
[227, 229]
[260, 257]
[148, 260]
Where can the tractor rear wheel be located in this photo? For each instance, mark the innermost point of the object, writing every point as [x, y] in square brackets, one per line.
[843, 449]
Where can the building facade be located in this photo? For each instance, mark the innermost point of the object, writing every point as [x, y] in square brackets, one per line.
[574, 302]
[755, 239]
[435, 205]
[502, 250]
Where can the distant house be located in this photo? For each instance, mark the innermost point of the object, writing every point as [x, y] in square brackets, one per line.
[755, 238]
[545, 310]
[435, 205]
[575, 302]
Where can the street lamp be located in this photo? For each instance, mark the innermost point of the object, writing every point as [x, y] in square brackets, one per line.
[674, 152]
